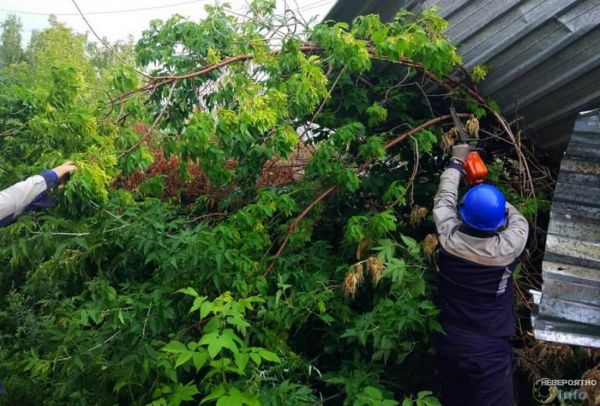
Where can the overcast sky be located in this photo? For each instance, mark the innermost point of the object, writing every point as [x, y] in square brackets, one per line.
[125, 16]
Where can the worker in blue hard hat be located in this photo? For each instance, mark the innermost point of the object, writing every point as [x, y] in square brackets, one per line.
[480, 241]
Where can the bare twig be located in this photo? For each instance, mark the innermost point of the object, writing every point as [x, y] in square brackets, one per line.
[154, 124]
[423, 126]
[411, 180]
[146, 320]
[204, 216]
[325, 100]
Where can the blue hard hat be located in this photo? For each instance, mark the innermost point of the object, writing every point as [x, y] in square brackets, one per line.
[483, 208]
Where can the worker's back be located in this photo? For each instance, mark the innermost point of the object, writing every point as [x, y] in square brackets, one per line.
[475, 297]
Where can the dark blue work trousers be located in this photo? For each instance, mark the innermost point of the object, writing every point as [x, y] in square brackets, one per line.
[475, 370]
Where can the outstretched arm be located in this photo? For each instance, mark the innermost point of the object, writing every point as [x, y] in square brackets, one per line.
[19, 196]
[14, 199]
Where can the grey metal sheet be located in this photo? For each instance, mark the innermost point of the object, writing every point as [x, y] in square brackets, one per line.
[568, 308]
[556, 330]
[543, 55]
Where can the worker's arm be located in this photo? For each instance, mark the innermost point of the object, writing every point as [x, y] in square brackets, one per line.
[445, 200]
[20, 196]
[14, 199]
[514, 236]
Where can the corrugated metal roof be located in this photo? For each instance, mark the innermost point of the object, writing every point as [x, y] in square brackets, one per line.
[543, 55]
[568, 308]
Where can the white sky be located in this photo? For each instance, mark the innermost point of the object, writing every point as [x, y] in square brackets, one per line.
[119, 25]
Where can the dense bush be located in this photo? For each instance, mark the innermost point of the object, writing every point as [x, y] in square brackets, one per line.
[247, 226]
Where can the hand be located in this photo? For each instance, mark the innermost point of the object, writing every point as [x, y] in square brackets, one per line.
[460, 152]
[64, 169]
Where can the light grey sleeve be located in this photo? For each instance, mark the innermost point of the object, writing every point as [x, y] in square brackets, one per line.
[500, 250]
[445, 201]
[15, 198]
[514, 236]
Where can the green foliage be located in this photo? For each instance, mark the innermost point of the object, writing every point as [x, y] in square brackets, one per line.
[423, 398]
[10, 49]
[221, 351]
[420, 39]
[345, 50]
[377, 114]
[425, 140]
[373, 148]
[396, 193]
[479, 72]
[160, 282]
[529, 206]
[90, 183]
[371, 396]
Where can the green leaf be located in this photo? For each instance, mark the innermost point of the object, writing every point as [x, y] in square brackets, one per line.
[188, 291]
[174, 347]
[381, 223]
[377, 114]
[387, 249]
[183, 393]
[241, 360]
[229, 401]
[256, 358]
[425, 140]
[424, 394]
[215, 342]
[216, 393]
[348, 133]
[183, 358]
[205, 309]
[395, 192]
[199, 359]
[395, 270]
[373, 149]
[269, 356]
[198, 302]
[412, 245]
[479, 72]
[355, 229]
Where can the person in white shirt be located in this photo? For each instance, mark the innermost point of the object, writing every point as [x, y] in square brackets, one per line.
[30, 193]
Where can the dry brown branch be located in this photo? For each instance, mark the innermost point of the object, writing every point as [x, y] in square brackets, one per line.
[159, 81]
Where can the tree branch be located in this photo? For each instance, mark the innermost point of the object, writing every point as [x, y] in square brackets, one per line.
[333, 189]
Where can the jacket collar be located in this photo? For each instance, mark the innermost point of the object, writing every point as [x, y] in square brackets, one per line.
[463, 228]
